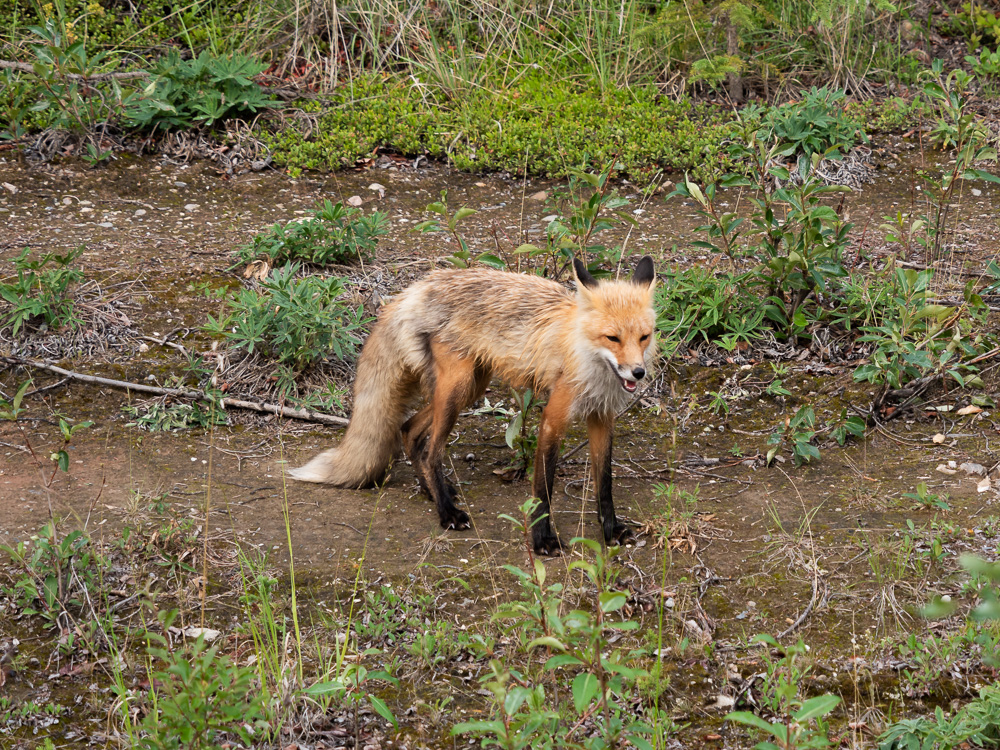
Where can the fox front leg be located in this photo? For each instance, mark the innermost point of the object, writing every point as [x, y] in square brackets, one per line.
[551, 429]
[600, 430]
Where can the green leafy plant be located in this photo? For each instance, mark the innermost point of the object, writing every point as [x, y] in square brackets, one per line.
[333, 234]
[59, 575]
[61, 65]
[920, 340]
[818, 124]
[798, 432]
[579, 642]
[924, 498]
[162, 417]
[986, 64]
[201, 91]
[957, 127]
[696, 304]
[800, 724]
[800, 251]
[449, 222]
[41, 291]
[295, 322]
[201, 697]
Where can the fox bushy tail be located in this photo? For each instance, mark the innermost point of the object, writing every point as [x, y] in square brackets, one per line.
[382, 394]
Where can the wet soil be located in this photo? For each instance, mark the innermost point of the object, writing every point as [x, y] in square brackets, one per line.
[758, 547]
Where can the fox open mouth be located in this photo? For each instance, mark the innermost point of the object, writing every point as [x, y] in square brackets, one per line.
[627, 384]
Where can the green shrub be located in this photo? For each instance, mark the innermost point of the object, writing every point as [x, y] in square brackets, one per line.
[295, 322]
[200, 697]
[815, 124]
[334, 234]
[205, 90]
[695, 303]
[42, 291]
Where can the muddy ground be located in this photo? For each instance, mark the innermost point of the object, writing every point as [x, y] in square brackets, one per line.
[832, 552]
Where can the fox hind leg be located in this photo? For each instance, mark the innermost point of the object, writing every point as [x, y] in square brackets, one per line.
[458, 381]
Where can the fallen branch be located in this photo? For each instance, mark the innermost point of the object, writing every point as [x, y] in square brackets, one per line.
[123, 76]
[283, 411]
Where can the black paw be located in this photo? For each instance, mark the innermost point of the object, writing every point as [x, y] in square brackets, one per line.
[549, 546]
[620, 533]
[455, 519]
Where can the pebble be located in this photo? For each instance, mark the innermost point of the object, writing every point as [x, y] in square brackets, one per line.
[541, 195]
[977, 192]
[140, 212]
[106, 225]
[86, 210]
[354, 200]
[178, 183]
[191, 207]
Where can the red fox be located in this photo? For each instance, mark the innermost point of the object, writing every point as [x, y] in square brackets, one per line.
[445, 337]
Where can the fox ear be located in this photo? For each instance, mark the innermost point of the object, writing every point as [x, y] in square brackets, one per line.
[644, 274]
[583, 276]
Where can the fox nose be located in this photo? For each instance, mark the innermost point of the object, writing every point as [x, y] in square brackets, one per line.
[638, 373]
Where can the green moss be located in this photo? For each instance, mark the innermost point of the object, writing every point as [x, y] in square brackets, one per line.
[550, 127]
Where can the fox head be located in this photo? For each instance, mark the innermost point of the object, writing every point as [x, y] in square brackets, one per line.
[618, 319]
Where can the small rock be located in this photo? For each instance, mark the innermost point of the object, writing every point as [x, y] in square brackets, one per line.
[209, 634]
[377, 188]
[480, 184]
[977, 192]
[191, 207]
[938, 439]
[86, 203]
[972, 468]
[550, 218]
[180, 184]
[67, 201]
[143, 347]
[106, 225]
[984, 485]
[470, 457]
[540, 196]
[9, 188]
[140, 212]
[86, 210]
[945, 470]
[723, 703]
[355, 201]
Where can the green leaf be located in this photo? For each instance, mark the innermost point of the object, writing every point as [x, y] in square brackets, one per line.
[821, 705]
[585, 687]
[383, 710]
[612, 601]
[752, 720]
[547, 640]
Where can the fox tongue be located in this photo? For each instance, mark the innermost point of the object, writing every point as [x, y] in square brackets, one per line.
[629, 385]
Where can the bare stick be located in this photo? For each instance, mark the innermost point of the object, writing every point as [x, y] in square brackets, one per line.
[28, 68]
[284, 411]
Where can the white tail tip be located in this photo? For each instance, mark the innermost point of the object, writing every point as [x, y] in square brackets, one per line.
[319, 469]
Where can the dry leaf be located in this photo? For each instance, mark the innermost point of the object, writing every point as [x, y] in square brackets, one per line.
[970, 409]
[984, 485]
[945, 470]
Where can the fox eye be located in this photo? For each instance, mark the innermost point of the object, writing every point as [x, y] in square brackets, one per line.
[643, 337]
[614, 339]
